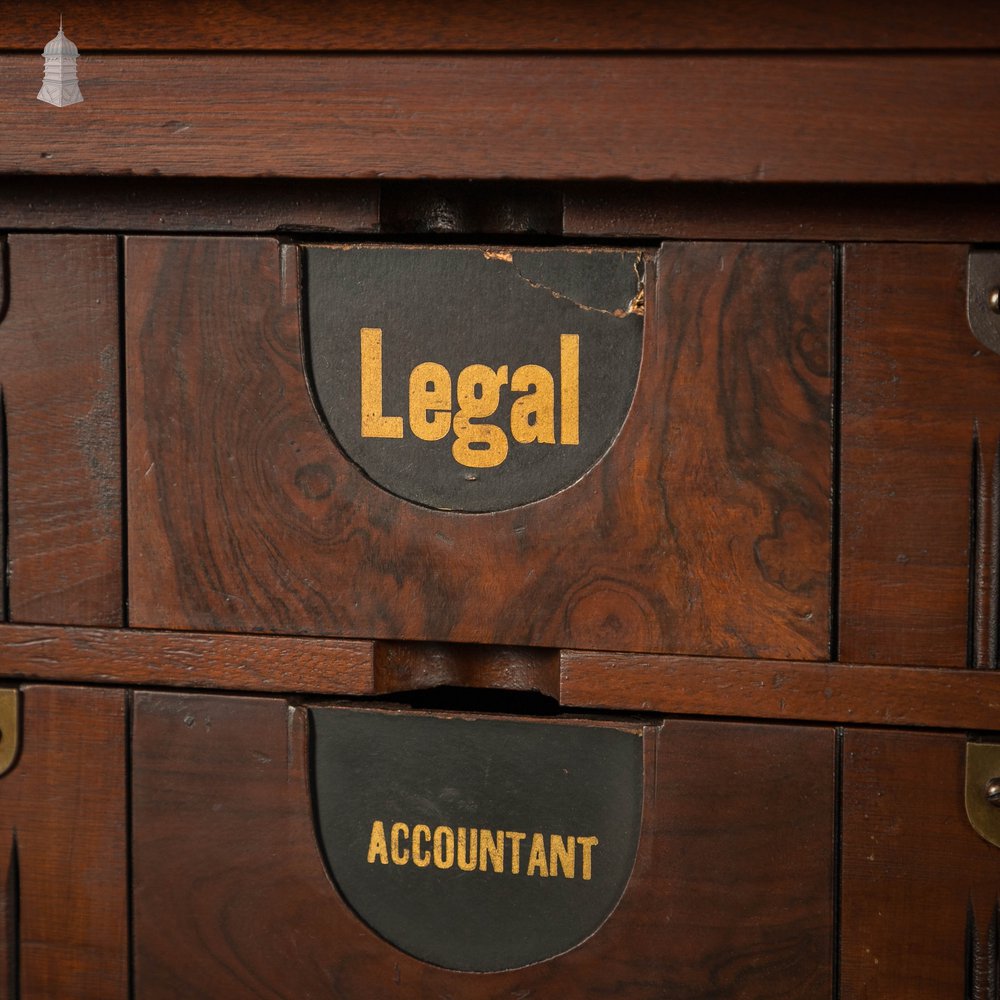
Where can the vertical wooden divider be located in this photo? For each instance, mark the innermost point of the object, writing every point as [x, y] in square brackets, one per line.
[920, 431]
[63, 850]
[59, 375]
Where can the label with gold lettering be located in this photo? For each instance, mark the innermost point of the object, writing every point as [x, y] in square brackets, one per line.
[470, 379]
[475, 842]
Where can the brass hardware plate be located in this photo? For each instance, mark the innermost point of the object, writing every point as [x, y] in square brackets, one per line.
[983, 297]
[10, 728]
[982, 783]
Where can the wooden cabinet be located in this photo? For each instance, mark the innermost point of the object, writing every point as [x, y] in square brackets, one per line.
[584, 369]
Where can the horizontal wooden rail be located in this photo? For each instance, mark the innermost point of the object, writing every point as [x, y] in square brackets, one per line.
[146, 204]
[687, 685]
[849, 213]
[318, 25]
[935, 697]
[773, 118]
[259, 663]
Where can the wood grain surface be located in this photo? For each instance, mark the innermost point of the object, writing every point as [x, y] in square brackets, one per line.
[919, 886]
[861, 693]
[791, 118]
[187, 659]
[842, 212]
[921, 407]
[60, 381]
[740, 687]
[249, 517]
[416, 666]
[314, 25]
[229, 880]
[187, 205]
[63, 852]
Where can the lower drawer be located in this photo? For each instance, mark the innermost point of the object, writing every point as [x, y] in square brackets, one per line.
[730, 895]
[730, 890]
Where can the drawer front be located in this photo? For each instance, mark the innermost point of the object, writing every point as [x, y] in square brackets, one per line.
[730, 894]
[704, 527]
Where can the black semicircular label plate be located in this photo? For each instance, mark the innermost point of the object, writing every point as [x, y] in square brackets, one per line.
[470, 379]
[477, 843]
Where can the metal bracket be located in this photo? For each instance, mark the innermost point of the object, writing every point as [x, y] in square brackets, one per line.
[983, 297]
[982, 789]
[4, 276]
[10, 728]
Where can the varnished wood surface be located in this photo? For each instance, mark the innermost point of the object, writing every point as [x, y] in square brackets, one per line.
[784, 690]
[187, 659]
[919, 886]
[920, 396]
[314, 25]
[410, 209]
[733, 893]
[292, 538]
[60, 381]
[827, 692]
[417, 666]
[145, 204]
[63, 852]
[731, 453]
[842, 212]
[775, 118]
[229, 880]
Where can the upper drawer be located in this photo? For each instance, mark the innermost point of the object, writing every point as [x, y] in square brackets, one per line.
[601, 449]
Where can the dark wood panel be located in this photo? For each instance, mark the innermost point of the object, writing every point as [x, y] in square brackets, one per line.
[59, 373]
[292, 538]
[774, 689]
[716, 907]
[912, 213]
[919, 886]
[138, 656]
[63, 853]
[844, 212]
[520, 24]
[411, 208]
[145, 204]
[921, 406]
[720, 118]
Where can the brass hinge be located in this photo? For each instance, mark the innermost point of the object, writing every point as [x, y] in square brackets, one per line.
[982, 789]
[10, 728]
[983, 297]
